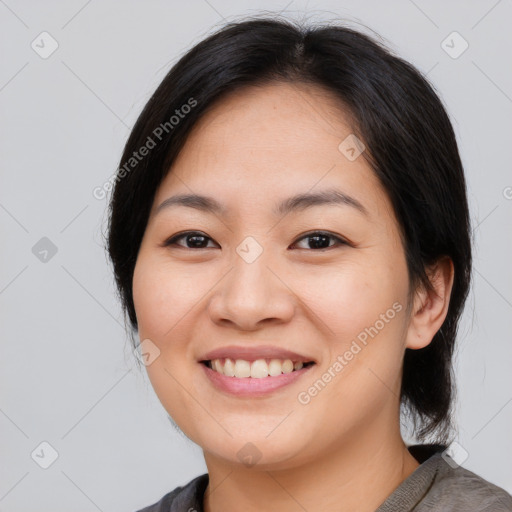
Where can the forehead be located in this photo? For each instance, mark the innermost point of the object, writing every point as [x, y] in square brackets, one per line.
[273, 118]
[267, 143]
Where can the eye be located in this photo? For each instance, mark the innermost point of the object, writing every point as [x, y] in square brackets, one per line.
[196, 239]
[320, 240]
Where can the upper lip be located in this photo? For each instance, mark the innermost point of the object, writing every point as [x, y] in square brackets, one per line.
[254, 352]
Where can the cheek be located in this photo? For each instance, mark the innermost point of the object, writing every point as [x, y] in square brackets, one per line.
[352, 297]
[361, 308]
[162, 296]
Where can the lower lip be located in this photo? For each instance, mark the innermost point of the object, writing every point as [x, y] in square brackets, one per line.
[252, 387]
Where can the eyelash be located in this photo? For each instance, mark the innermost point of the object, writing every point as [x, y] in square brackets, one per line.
[174, 239]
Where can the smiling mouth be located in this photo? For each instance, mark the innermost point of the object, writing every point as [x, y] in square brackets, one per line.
[257, 369]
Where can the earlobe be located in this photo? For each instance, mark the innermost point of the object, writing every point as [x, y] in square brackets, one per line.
[431, 306]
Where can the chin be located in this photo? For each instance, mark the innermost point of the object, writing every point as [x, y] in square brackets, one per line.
[256, 450]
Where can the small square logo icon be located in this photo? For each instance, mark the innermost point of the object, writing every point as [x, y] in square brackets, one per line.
[454, 45]
[249, 250]
[44, 455]
[149, 352]
[44, 45]
[44, 250]
[351, 147]
[455, 455]
[249, 455]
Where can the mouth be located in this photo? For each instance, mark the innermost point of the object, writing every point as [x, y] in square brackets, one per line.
[260, 378]
[256, 369]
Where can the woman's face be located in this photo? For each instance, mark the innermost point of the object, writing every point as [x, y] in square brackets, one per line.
[253, 274]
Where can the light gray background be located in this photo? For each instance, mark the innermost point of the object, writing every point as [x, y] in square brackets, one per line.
[67, 372]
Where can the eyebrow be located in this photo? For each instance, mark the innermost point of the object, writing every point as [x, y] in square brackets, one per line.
[299, 202]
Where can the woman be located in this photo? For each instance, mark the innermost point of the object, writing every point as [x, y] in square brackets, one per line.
[290, 237]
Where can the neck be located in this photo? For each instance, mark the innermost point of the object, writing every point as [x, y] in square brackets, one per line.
[357, 475]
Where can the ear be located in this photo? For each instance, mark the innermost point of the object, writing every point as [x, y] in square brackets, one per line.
[430, 308]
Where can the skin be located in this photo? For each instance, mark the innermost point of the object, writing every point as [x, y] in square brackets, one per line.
[343, 450]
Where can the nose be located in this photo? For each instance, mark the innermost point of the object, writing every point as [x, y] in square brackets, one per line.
[252, 295]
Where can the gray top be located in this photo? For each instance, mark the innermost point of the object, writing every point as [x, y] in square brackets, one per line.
[437, 485]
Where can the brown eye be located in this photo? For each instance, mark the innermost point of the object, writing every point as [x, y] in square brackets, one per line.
[321, 240]
[193, 240]
[316, 240]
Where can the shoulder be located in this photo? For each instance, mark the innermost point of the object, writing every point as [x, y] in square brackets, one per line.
[186, 498]
[439, 484]
[463, 490]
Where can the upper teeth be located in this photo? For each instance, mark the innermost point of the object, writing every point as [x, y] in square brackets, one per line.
[257, 369]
